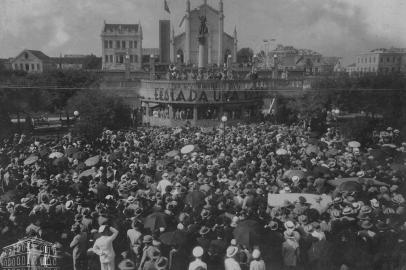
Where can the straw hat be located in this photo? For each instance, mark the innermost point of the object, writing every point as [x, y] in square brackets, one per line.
[231, 251]
[197, 252]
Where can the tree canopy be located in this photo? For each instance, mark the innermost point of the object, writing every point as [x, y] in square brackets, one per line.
[244, 55]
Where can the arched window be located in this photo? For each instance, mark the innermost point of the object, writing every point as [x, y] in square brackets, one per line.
[179, 56]
[226, 54]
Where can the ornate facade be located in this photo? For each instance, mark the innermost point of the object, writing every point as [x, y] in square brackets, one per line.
[184, 47]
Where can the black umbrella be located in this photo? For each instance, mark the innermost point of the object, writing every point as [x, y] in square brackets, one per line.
[177, 237]
[248, 233]
[155, 221]
[195, 198]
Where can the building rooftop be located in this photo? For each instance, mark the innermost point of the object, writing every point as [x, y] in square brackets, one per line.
[40, 55]
[121, 28]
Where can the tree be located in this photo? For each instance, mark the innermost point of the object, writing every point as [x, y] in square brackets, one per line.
[244, 55]
[98, 110]
[92, 62]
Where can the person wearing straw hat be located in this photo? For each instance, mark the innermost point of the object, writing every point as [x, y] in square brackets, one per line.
[197, 263]
[290, 250]
[230, 263]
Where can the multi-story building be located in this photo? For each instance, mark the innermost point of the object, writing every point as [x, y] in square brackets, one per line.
[32, 61]
[121, 46]
[382, 61]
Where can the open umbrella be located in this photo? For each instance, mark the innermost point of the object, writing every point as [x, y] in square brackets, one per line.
[30, 160]
[89, 172]
[155, 221]
[187, 149]
[172, 153]
[70, 151]
[320, 171]
[80, 155]
[177, 237]
[312, 149]
[290, 173]
[281, 152]
[195, 198]
[350, 186]
[92, 161]
[354, 144]
[248, 233]
[62, 161]
[55, 155]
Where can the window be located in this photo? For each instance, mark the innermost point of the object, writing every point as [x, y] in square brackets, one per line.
[123, 44]
[27, 67]
[106, 58]
[110, 44]
[117, 44]
[135, 44]
[26, 55]
[374, 59]
[111, 58]
[16, 66]
[387, 59]
[130, 45]
[32, 67]
[121, 59]
[135, 58]
[21, 66]
[38, 67]
[106, 44]
[131, 58]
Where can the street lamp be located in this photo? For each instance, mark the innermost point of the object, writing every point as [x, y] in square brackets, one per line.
[178, 58]
[335, 112]
[224, 121]
[228, 61]
[275, 64]
[76, 114]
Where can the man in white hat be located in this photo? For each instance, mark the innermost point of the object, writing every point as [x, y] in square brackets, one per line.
[164, 183]
[103, 247]
[197, 263]
[230, 263]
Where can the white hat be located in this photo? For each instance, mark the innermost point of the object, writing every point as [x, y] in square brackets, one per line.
[180, 226]
[198, 252]
[295, 178]
[256, 254]
[69, 205]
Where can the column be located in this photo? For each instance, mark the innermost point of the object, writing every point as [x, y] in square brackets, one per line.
[195, 113]
[147, 113]
[170, 111]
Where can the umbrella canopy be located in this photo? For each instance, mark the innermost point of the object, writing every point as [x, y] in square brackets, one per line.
[290, 173]
[44, 151]
[320, 171]
[350, 186]
[90, 172]
[70, 151]
[177, 237]
[55, 155]
[92, 161]
[80, 155]
[248, 233]
[281, 152]
[312, 149]
[187, 149]
[62, 161]
[366, 181]
[195, 198]
[172, 153]
[354, 144]
[30, 160]
[155, 221]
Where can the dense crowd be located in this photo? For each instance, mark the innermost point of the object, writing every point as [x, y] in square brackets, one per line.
[133, 200]
[180, 74]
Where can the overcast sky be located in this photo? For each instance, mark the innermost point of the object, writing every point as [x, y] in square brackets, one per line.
[332, 27]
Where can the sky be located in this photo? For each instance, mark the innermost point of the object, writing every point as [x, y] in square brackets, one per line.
[332, 27]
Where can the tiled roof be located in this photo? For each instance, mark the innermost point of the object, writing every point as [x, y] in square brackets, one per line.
[121, 27]
[40, 55]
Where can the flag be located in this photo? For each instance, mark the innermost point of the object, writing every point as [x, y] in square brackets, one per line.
[166, 7]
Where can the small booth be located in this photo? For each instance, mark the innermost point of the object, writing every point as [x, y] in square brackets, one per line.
[30, 253]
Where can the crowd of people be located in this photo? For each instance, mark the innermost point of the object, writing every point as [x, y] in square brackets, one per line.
[142, 200]
[180, 74]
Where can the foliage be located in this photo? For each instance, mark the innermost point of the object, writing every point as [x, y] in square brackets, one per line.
[92, 62]
[244, 55]
[98, 110]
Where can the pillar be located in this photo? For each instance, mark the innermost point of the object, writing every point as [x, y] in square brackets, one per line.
[220, 48]
[194, 113]
[147, 112]
[170, 106]
[172, 47]
[202, 55]
[235, 45]
[187, 33]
